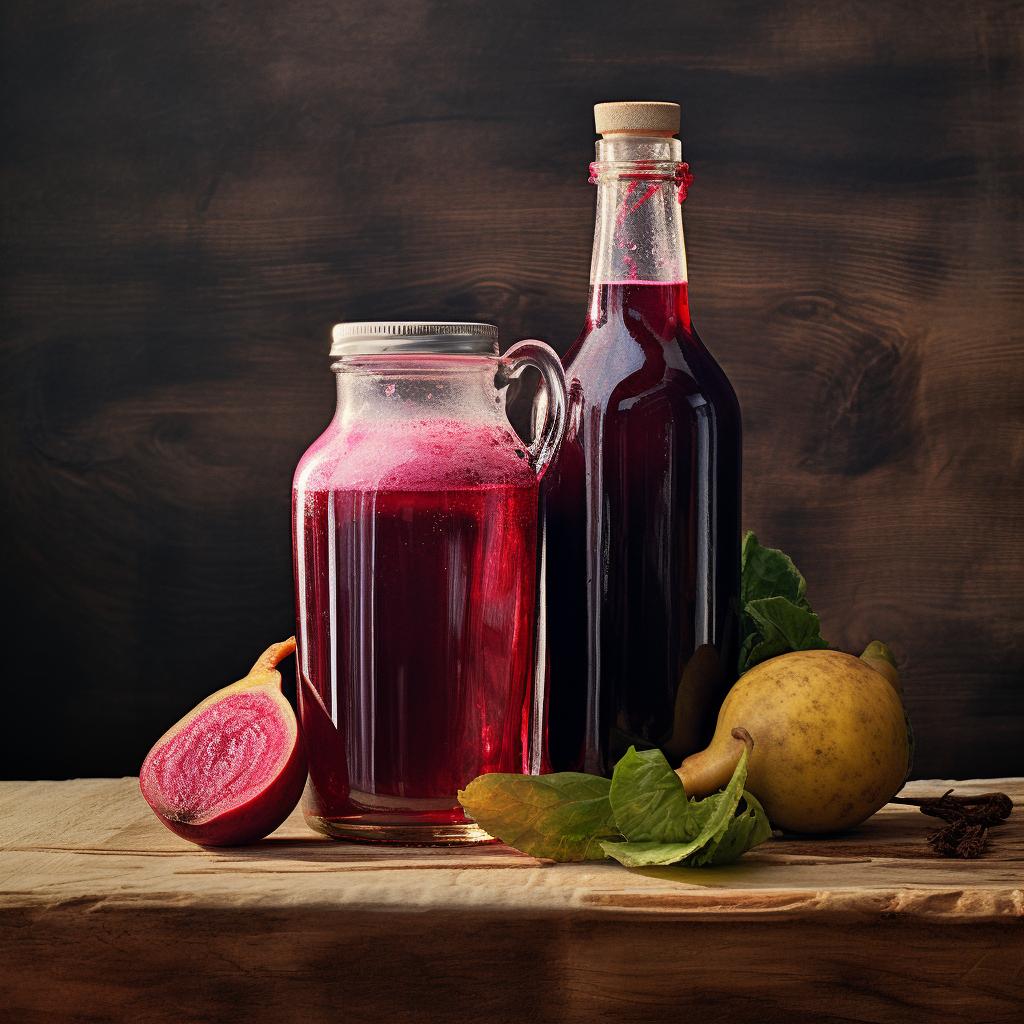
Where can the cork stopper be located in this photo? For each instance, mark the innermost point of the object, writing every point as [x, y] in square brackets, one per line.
[636, 117]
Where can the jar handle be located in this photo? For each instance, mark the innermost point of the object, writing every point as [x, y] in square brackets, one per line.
[548, 434]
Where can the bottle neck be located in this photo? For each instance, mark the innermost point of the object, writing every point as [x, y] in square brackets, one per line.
[638, 236]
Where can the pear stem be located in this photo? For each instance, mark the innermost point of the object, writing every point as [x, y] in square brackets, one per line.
[739, 733]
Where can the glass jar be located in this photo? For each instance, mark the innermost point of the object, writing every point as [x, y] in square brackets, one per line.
[416, 557]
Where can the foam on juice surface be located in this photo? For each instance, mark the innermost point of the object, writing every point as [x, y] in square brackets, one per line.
[416, 455]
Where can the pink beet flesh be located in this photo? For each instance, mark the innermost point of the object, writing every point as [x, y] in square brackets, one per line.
[229, 775]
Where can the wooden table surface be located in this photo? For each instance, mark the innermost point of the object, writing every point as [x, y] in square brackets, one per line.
[106, 916]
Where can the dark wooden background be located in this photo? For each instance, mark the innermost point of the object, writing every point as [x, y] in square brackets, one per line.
[193, 192]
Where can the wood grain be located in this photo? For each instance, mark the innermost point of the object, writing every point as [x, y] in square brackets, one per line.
[105, 915]
[193, 193]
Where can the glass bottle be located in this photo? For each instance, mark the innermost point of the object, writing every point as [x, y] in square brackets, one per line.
[643, 503]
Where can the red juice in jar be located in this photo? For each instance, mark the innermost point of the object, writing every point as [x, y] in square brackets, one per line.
[415, 536]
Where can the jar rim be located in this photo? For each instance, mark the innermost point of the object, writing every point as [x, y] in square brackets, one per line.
[438, 337]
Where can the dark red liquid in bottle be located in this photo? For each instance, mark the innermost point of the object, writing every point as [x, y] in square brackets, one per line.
[642, 511]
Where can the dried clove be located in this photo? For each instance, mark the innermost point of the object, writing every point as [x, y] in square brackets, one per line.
[968, 820]
[960, 840]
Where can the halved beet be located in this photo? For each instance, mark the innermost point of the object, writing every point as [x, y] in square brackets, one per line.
[233, 768]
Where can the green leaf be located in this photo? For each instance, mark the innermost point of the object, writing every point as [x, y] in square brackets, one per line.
[723, 835]
[780, 620]
[769, 572]
[648, 855]
[777, 616]
[563, 816]
[756, 649]
[748, 829]
[648, 801]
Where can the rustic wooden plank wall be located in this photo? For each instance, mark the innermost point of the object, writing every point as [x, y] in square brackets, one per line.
[194, 192]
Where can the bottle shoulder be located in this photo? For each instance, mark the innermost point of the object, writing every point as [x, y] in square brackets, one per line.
[609, 366]
[713, 375]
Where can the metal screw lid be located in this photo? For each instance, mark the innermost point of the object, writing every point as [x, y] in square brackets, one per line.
[637, 117]
[379, 337]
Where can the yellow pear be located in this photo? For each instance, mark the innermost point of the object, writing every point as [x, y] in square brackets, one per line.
[830, 739]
